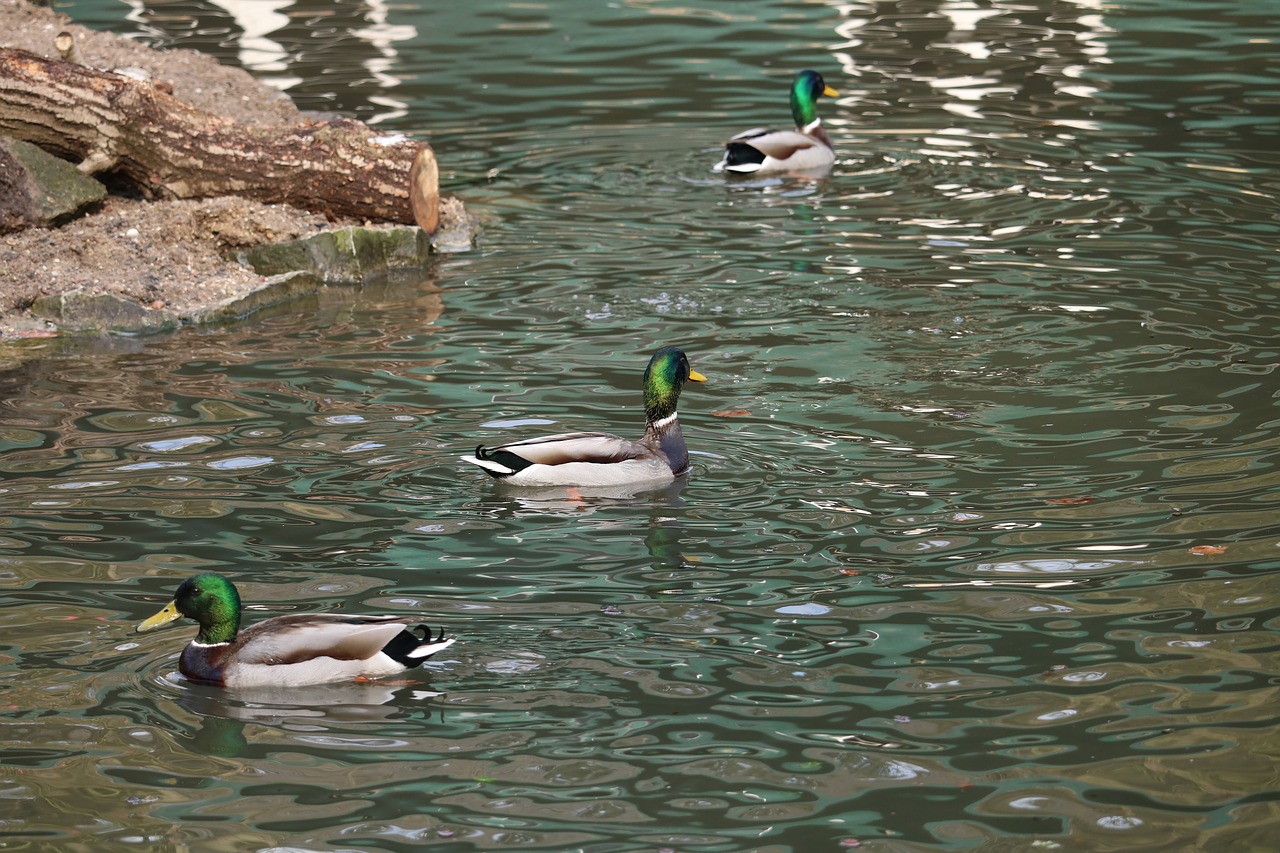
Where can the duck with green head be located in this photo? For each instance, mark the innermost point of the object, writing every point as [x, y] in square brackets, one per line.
[805, 149]
[603, 459]
[288, 651]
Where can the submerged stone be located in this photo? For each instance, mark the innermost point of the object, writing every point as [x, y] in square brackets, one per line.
[274, 291]
[348, 255]
[82, 311]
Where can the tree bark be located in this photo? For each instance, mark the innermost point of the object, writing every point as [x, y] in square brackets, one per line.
[167, 149]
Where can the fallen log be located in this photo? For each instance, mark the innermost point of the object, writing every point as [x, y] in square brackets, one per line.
[165, 148]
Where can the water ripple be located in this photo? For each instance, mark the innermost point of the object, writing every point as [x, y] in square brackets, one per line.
[982, 515]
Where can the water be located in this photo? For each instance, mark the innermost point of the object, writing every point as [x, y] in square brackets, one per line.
[980, 543]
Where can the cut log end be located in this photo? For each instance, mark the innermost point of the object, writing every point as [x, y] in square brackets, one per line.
[424, 190]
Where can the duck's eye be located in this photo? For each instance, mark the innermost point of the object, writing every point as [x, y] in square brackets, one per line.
[195, 591]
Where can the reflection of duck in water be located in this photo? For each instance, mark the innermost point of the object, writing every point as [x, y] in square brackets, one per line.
[806, 148]
[293, 712]
[602, 459]
[288, 651]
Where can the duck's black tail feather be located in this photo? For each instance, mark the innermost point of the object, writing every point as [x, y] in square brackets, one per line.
[414, 645]
[742, 154]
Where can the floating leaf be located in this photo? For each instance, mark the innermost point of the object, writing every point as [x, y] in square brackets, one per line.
[1070, 501]
[1208, 550]
[731, 413]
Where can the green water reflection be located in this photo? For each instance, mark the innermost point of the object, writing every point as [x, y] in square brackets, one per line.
[979, 547]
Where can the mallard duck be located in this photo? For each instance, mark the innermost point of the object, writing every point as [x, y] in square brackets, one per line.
[804, 149]
[288, 651]
[601, 459]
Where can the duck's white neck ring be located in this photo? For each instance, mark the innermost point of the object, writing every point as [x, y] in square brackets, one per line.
[812, 126]
[665, 422]
[201, 645]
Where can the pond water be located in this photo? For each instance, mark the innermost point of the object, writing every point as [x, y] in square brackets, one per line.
[979, 549]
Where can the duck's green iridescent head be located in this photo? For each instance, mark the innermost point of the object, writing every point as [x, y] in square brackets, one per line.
[805, 91]
[211, 600]
[665, 376]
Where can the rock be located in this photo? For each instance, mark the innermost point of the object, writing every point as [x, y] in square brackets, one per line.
[457, 228]
[274, 291]
[80, 311]
[38, 189]
[353, 254]
[345, 255]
